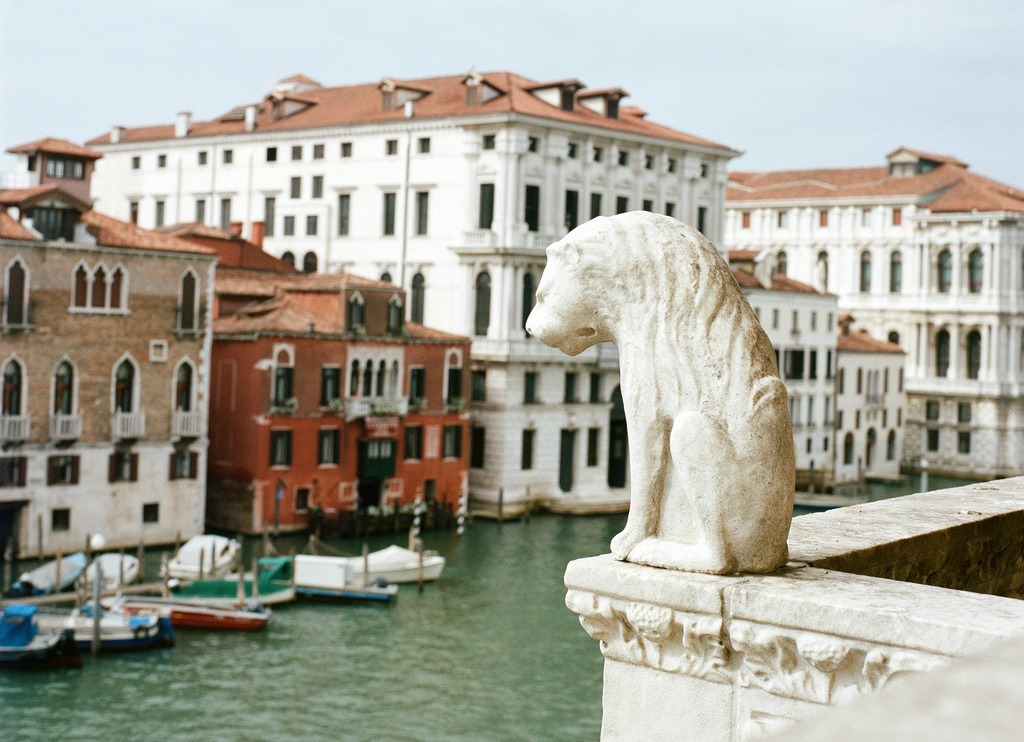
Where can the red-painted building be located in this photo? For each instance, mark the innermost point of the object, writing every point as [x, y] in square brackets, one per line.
[324, 397]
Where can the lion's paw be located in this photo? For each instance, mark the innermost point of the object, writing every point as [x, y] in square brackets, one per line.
[624, 542]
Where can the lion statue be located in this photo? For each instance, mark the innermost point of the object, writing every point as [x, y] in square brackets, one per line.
[710, 440]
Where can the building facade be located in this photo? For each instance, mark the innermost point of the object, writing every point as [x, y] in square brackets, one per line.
[452, 188]
[325, 400]
[105, 357]
[930, 256]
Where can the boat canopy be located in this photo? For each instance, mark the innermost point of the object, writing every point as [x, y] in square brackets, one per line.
[17, 627]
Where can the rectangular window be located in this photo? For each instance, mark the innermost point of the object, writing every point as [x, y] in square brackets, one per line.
[702, 219]
[745, 220]
[391, 147]
[296, 188]
[670, 209]
[389, 214]
[933, 439]
[123, 466]
[417, 386]
[812, 371]
[963, 412]
[598, 154]
[201, 210]
[860, 380]
[530, 387]
[271, 154]
[621, 204]
[595, 205]
[228, 156]
[327, 446]
[452, 442]
[648, 162]
[865, 217]
[344, 208]
[526, 455]
[623, 158]
[161, 160]
[477, 447]
[423, 145]
[478, 383]
[705, 170]
[595, 388]
[413, 442]
[531, 214]
[964, 441]
[823, 218]
[62, 470]
[574, 150]
[318, 151]
[931, 409]
[311, 225]
[488, 141]
[136, 163]
[283, 385]
[648, 205]
[572, 209]
[302, 499]
[782, 219]
[225, 214]
[269, 203]
[570, 388]
[593, 437]
[346, 149]
[454, 386]
[289, 226]
[671, 166]
[775, 319]
[828, 365]
[296, 152]
[13, 471]
[159, 213]
[133, 212]
[60, 520]
[533, 144]
[330, 385]
[318, 186]
[280, 448]
[486, 206]
[150, 512]
[793, 360]
[422, 211]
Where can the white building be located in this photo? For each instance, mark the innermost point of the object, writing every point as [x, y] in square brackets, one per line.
[925, 254]
[801, 324]
[451, 187]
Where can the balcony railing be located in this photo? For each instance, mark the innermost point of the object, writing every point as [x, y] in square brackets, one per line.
[14, 428]
[65, 427]
[356, 407]
[186, 424]
[127, 425]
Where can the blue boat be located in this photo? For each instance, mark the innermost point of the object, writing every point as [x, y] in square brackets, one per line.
[41, 580]
[24, 647]
[118, 630]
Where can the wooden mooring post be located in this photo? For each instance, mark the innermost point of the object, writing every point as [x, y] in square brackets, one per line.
[8, 566]
[501, 504]
[140, 554]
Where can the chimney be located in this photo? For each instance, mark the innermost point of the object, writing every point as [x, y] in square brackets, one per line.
[409, 109]
[116, 134]
[845, 320]
[259, 230]
[182, 124]
[250, 117]
[235, 229]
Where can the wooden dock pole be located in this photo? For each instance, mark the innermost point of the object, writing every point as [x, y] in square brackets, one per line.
[39, 533]
[419, 576]
[255, 582]
[501, 504]
[141, 556]
[8, 566]
[165, 589]
[57, 576]
[366, 565]
[240, 566]
[120, 569]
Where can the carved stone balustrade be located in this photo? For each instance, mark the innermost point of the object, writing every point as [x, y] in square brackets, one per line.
[871, 593]
[14, 428]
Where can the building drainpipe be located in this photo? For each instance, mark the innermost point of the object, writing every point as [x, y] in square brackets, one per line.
[405, 198]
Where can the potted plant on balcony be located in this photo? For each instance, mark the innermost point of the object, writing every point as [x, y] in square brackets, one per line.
[335, 405]
[286, 406]
[454, 404]
[418, 403]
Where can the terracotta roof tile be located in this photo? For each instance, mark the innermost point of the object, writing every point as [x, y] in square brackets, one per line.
[361, 104]
[56, 146]
[27, 197]
[779, 283]
[232, 281]
[12, 229]
[929, 156]
[861, 342]
[114, 233]
[300, 78]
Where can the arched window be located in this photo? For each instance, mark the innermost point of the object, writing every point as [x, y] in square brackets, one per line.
[396, 314]
[896, 272]
[353, 382]
[890, 446]
[81, 287]
[187, 313]
[309, 262]
[869, 453]
[482, 304]
[865, 272]
[975, 271]
[416, 311]
[13, 381]
[973, 354]
[945, 270]
[941, 353]
[781, 263]
[823, 270]
[288, 257]
[116, 288]
[368, 379]
[894, 337]
[385, 277]
[382, 373]
[284, 376]
[183, 388]
[64, 389]
[99, 289]
[16, 298]
[356, 312]
[529, 295]
[393, 391]
[848, 449]
[124, 387]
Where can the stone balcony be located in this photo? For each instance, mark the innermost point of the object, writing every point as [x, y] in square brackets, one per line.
[872, 592]
[356, 407]
[127, 425]
[14, 428]
[186, 424]
[65, 427]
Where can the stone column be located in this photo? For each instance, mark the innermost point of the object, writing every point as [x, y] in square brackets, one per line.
[955, 355]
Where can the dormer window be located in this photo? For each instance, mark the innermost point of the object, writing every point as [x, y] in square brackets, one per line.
[568, 96]
[394, 94]
[478, 91]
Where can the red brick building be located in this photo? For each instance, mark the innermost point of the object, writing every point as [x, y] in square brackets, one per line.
[323, 397]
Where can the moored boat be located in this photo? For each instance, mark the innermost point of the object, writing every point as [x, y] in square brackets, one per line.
[24, 647]
[331, 578]
[204, 556]
[197, 613]
[272, 586]
[396, 565]
[43, 580]
[119, 630]
[117, 570]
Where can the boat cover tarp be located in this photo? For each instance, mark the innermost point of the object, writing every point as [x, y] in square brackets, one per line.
[17, 625]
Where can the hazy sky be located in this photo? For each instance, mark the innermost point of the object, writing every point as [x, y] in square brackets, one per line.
[801, 83]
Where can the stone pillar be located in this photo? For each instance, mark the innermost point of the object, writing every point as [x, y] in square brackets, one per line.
[955, 356]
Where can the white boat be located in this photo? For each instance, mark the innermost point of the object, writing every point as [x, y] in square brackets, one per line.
[396, 565]
[118, 630]
[202, 557]
[41, 581]
[327, 577]
[117, 569]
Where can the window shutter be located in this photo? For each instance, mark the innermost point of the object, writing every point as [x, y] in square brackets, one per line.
[51, 470]
[170, 470]
[193, 465]
[112, 468]
[74, 470]
[22, 470]
[135, 467]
